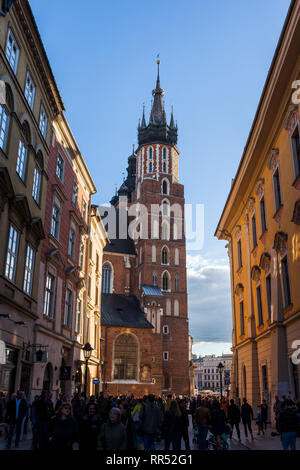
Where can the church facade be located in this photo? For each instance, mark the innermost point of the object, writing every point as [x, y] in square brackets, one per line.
[144, 312]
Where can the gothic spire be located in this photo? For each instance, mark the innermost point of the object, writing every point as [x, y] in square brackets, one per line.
[157, 112]
[172, 123]
[143, 124]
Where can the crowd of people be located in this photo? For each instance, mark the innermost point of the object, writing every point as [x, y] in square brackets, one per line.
[130, 423]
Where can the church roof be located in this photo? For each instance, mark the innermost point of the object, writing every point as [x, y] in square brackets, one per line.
[122, 310]
[152, 290]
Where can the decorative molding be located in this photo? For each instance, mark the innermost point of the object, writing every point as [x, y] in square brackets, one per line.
[280, 243]
[265, 262]
[239, 291]
[237, 232]
[251, 206]
[291, 119]
[255, 273]
[260, 188]
[273, 160]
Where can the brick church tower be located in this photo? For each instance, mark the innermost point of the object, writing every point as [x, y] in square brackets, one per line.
[160, 276]
[144, 289]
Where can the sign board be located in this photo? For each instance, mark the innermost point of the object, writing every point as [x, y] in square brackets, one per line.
[65, 373]
[2, 353]
[96, 381]
[40, 356]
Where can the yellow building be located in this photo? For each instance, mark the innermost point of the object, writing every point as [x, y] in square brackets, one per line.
[92, 319]
[261, 221]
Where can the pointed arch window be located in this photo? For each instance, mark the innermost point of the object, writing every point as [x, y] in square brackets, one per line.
[165, 256]
[106, 279]
[166, 208]
[166, 281]
[150, 166]
[164, 165]
[126, 357]
[176, 256]
[165, 187]
[154, 278]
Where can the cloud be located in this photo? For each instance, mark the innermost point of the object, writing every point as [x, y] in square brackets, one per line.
[209, 299]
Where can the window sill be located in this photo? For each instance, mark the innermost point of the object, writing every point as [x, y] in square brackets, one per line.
[21, 179]
[288, 308]
[49, 319]
[263, 233]
[254, 248]
[277, 211]
[239, 270]
[36, 203]
[296, 182]
[4, 153]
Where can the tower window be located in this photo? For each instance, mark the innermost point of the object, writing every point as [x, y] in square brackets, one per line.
[165, 256]
[150, 167]
[165, 282]
[177, 283]
[165, 187]
[154, 279]
[106, 279]
[164, 165]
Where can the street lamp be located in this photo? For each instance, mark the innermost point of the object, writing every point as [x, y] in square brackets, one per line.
[87, 352]
[221, 367]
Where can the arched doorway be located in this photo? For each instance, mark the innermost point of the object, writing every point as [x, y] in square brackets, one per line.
[48, 377]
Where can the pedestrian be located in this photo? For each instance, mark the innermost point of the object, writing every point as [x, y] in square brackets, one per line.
[43, 412]
[259, 422]
[172, 427]
[202, 419]
[63, 429]
[78, 407]
[16, 410]
[247, 417]
[126, 420]
[218, 424]
[288, 422]
[113, 433]
[184, 425]
[277, 408]
[89, 427]
[33, 421]
[264, 414]
[234, 418]
[152, 418]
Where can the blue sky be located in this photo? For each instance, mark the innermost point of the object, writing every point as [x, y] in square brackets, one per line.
[215, 58]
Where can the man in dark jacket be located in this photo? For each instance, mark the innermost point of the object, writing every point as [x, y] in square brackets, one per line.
[247, 417]
[287, 423]
[151, 418]
[16, 410]
[43, 412]
[234, 418]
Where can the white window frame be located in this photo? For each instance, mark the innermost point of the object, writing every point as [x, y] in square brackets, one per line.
[22, 160]
[166, 330]
[29, 90]
[72, 242]
[75, 192]
[57, 222]
[78, 322]
[12, 253]
[49, 296]
[14, 65]
[68, 307]
[4, 126]
[29, 269]
[36, 187]
[60, 167]
[43, 121]
[166, 355]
